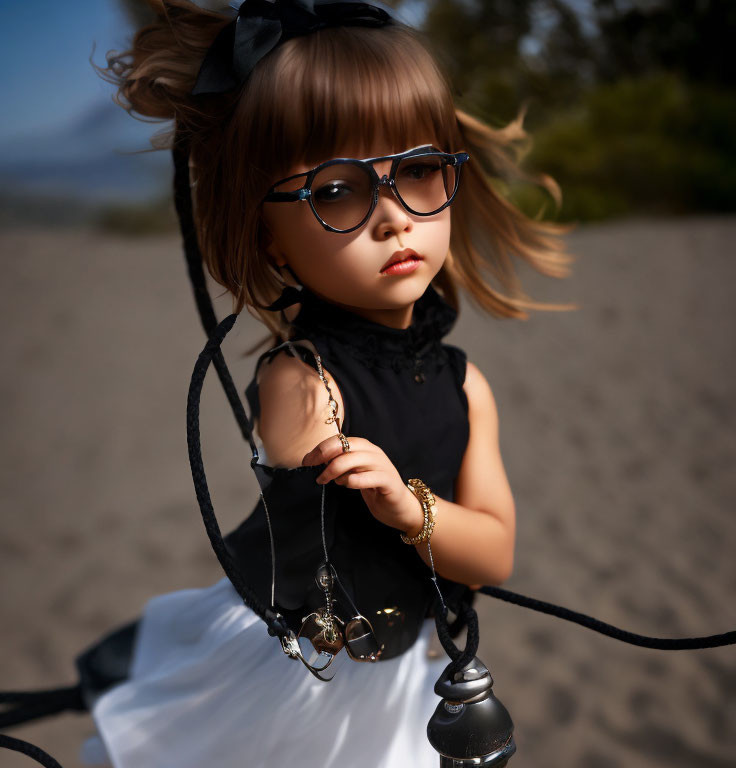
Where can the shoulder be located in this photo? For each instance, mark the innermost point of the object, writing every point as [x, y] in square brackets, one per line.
[293, 408]
[481, 402]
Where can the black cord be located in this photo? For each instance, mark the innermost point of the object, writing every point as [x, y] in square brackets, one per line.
[18, 745]
[660, 643]
[276, 624]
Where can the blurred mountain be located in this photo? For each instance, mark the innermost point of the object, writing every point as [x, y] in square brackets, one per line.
[89, 161]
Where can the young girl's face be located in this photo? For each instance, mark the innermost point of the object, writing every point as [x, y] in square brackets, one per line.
[345, 268]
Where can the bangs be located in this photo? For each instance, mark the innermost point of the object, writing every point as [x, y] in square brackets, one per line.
[310, 110]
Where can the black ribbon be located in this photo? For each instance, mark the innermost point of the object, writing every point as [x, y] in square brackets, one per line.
[261, 25]
[289, 296]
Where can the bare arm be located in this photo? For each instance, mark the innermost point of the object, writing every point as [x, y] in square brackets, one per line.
[473, 540]
[294, 407]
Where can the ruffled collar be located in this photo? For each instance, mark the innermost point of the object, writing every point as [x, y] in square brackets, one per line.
[372, 343]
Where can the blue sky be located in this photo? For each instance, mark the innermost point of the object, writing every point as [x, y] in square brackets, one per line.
[44, 59]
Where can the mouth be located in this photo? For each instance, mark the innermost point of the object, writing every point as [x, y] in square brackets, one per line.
[406, 257]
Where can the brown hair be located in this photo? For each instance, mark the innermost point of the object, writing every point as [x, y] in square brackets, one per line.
[300, 105]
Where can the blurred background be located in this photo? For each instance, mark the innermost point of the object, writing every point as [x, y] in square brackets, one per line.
[617, 421]
[630, 104]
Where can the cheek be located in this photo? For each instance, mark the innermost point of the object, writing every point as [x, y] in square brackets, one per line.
[320, 258]
[435, 234]
[297, 234]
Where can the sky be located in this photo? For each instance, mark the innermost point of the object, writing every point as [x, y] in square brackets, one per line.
[44, 52]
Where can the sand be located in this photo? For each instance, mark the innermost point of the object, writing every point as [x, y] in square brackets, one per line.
[617, 429]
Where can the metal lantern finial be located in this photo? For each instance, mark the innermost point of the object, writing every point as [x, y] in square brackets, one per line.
[470, 725]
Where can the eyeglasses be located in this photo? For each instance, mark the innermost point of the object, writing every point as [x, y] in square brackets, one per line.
[343, 192]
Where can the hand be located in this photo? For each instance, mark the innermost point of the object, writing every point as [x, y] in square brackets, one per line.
[367, 468]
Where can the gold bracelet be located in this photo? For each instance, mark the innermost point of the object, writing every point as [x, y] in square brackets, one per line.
[427, 500]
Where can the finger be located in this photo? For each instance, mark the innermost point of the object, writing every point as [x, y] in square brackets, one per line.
[327, 449]
[370, 479]
[321, 453]
[347, 462]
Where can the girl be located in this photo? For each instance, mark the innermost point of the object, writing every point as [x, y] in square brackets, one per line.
[343, 199]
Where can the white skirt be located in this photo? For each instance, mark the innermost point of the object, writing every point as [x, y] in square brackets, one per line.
[209, 687]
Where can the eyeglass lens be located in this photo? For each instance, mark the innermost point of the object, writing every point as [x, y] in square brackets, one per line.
[342, 193]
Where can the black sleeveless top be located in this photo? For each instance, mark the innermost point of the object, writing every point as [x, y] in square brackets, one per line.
[402, 389]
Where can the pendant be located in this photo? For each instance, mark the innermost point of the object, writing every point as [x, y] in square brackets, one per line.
[324, 632]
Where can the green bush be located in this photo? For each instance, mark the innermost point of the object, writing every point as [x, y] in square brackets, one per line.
[657, 144]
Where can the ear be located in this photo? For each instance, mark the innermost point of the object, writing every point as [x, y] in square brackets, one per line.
[267, 245]
[275, 256]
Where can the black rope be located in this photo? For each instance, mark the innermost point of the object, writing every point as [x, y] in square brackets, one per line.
[660, 643]
[277, 625]
[466, 617]
[18, 745]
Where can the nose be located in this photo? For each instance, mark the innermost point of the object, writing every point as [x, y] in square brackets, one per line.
[390, 219]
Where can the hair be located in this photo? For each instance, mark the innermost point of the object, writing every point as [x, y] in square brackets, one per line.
[300, 105]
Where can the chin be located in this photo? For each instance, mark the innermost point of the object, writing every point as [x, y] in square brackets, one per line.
[404, 291]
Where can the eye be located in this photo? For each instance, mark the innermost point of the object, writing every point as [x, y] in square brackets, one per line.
[333, 191]
[420, 170]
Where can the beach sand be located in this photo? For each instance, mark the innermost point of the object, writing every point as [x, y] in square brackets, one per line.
[617, 429]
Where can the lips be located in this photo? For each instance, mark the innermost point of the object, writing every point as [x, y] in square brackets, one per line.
[401, 256]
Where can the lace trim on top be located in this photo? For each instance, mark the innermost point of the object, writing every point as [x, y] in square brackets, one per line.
[373, 344]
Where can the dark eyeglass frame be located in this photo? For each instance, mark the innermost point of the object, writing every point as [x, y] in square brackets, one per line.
[455, 159]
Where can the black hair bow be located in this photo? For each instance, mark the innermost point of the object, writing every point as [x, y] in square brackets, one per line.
[262, 24]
